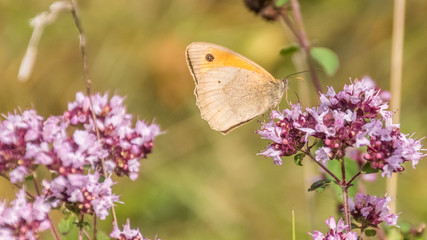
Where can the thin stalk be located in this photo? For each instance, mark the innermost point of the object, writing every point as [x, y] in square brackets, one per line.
[354, 177]
[36, 186]
[293, 225]
[344, 186]
[308, 170]
[346, 209]
[52, 227]
[95, 230]
[305, 44]
[81, 230]
[396, 81]
[86, 234]
[321, 165]
[88, 84]
[16, 185]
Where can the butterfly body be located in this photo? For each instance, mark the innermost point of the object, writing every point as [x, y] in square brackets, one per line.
[230, 89]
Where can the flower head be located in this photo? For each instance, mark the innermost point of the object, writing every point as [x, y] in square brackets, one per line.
[86, 192]
[23, 219]
[338, 231]
[372, 210]
[18, 133]
[284, 130]
[352, 118]
[126, 234]
[126, 145]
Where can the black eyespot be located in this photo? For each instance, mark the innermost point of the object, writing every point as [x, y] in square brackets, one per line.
[209, 57]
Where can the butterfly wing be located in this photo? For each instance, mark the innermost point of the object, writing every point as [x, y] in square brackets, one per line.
[230, 89]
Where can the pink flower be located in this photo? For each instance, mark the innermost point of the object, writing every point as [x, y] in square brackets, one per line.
[85, 192]
[352, 118]
[338, 231]
[126, 145]
[126, 234]
[372, 210]
[284, 130]
[16, 133]
[23, 219]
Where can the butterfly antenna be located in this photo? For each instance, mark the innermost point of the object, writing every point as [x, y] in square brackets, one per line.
[285, 80]
[286, 92]
[300, 78]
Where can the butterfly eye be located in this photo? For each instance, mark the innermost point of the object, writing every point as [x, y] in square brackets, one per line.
[209, 57]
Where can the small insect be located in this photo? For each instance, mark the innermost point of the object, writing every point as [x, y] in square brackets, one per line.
[230, 89]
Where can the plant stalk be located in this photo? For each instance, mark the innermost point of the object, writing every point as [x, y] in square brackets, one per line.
[344, 186]
[305, 44]
[52, 227]
[88, 84]
[323, 167]
[396, 82]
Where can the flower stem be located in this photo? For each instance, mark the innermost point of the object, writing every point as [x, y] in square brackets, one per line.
[16, 185]
[81, 227]
[303, 42]
[94, 226]
[321, 165]
[52, 227]
[346, 209]
[344, 186]
[396, 81]
[88, 83]
[354, 177]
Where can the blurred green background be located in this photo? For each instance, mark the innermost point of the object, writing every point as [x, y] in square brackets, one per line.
[199, 184]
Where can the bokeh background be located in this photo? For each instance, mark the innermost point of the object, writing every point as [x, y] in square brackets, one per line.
[199, 184]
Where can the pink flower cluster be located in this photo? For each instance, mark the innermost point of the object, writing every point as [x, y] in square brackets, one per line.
[125, 145]
[23, 219]
[83, 192]
[68, 146]
[371, 210]
[338, 231]
[355, 117]
[17, 133]
[128, 233]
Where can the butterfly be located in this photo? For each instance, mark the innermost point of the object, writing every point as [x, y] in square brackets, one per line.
[230, 89]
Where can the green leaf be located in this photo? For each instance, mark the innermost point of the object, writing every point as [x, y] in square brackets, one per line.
[101, 179]
[100, 235]
[351, 169]
[280, 3]
[335, 167]
[29, 177]
[298, 159]
[326, 58]
[354, 226]
[66, 225]
[405, 227]
[289, 50]
[370, 232]
[320, 185]
[368, 169]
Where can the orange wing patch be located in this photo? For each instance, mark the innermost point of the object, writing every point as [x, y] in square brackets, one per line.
[226, 59]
